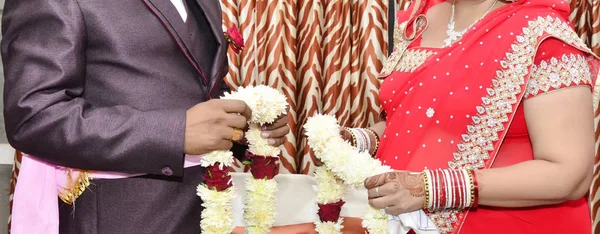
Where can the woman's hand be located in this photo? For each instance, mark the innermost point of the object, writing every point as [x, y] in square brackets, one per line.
[397, 192]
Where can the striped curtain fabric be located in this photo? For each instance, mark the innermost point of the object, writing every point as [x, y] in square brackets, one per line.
[323, 55]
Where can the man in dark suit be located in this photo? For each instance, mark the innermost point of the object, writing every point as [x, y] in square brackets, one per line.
[122, 86]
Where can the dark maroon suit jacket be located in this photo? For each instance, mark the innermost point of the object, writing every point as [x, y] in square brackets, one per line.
[105, 85]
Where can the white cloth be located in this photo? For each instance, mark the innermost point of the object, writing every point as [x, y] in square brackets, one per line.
[180, 8]
[418, 221]
[296, 204]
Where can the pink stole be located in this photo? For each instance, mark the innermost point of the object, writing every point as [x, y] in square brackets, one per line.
[35, 202]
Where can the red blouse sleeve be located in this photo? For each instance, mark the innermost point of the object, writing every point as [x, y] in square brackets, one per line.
[557, 65]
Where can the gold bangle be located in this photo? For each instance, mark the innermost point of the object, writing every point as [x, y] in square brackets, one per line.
[426, 182]
[474, 192]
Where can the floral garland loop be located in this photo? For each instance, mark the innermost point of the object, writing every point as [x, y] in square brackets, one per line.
[352, 167]
[267, 105]
[330, 192]
[217, 191]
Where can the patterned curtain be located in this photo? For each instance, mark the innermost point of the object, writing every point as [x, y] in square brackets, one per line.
[323, 55]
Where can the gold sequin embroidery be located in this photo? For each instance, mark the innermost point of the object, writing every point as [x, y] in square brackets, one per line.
[554, 74]
[74, 187]
[413, 59]
[399, 48]
[483, 133]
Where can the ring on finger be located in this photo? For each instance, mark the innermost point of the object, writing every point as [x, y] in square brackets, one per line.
[237, 135]
[377, 192]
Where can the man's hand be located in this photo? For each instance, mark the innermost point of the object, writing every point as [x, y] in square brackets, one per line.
[211, 125]
[275, 132]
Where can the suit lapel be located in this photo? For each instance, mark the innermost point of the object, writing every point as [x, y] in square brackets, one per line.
[212, 10]
[170, 18]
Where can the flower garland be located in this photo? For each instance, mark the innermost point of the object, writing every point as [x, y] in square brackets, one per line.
[330, 192]
[267, 105]
[324, 139]
[217, 192]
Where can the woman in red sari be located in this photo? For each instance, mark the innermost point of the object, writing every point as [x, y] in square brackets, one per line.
[488, 119]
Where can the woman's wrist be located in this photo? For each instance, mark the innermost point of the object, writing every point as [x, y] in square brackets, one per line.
[450, 189]
[363, 139]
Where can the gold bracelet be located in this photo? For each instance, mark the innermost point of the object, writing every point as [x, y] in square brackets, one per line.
[474, 189]
[426, 182]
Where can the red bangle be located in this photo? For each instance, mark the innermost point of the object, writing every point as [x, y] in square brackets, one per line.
[442, 189]
[457, 188]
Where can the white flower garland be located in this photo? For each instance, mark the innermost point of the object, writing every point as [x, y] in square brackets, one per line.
[267, 105]
[346, 163]
[217, 216]
[329, 190]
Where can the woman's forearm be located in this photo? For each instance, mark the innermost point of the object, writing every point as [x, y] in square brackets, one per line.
[379, 128]
[532, 183]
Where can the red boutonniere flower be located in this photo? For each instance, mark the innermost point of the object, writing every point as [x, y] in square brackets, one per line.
[218, 179]
[235, 39]
[330, 212]
[263, 167]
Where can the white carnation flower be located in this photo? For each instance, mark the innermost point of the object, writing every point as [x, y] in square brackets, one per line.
[224, 157]
[329, 227]
[217, 216]
[267, 103]
[258, 145]
[259, 209]
[329, 188]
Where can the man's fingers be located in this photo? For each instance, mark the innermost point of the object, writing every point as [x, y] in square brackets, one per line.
[223, 144]
[276, 141]
[227, 133]
[277, 124]
[236, 121]
[236, 106]
[276, 133]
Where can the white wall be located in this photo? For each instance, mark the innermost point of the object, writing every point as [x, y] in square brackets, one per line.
[6, 152]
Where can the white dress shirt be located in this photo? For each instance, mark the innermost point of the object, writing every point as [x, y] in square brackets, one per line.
[180, 8]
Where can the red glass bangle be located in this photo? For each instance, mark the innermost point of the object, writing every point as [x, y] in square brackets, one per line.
[457, 187]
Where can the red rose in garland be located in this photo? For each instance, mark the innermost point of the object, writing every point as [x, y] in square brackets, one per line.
[263, 167]
[235, 39]
[330, 212]
[216, 178]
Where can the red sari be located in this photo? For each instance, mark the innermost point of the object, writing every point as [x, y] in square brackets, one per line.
[461, 106]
